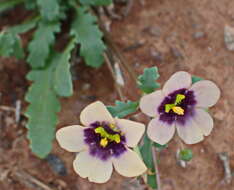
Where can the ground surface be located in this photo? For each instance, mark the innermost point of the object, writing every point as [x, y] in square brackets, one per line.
[173, 35]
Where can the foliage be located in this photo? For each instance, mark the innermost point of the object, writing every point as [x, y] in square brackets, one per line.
[122, 109]
[50, 69]
[186, 154]
[147, 81]
[87, 34]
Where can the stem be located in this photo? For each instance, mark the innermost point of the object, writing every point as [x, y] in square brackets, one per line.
[6, 5]
[156, 168]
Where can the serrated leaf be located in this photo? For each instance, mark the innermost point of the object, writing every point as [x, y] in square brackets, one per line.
[62, 76]
[96, 2]
[10, 45]
[147, 155]
[49, 9]
[147, 81]
[42, 111]
[186, 154]
[196, 79]
[88, 35]
[39, 47]
[122, 109]
[9, 4]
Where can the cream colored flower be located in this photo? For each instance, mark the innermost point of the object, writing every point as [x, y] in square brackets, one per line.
[180, 105]
[102, 144]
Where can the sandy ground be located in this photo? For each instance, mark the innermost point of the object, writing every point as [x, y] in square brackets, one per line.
[173, 35]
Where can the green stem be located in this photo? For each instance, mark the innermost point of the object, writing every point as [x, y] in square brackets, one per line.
[8, 4]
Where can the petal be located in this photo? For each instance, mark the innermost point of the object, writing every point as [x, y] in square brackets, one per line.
[177, 81]
[132, 130]
[204, 121]
[206, 93]
[95, 112]
[71, 138]
[160, 132]
[129, 164]
[96, 170]
[190, 133]
[149, 103]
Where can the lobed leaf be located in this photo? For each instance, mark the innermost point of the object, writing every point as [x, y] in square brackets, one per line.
[49, 9]
[122, 109]
[147, 81]
[196, 79]
[96, 2]
[39, 47]
[10, 45]
[88, 35]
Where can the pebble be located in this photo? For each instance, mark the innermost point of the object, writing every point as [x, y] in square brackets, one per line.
[176, 52]
[198, 35]
[229, 37]
[156, 55]
[56, 164]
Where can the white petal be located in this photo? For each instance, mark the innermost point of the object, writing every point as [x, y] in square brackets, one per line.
[190, 133]
[129, 164]
[149, 103]
[177, 81]
[132, 130]
[95, 112]
[204, 121]
[206, 93]
[160, 132]
[71, 138]
[96, 170]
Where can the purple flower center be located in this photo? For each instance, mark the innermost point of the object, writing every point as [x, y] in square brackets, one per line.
[104, 140]
[187, 104]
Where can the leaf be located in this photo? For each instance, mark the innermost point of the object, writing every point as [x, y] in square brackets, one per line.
[146, 152]
[122, 109]
[9, 4]
[88, 35]
[196, 79]
[96, 2]
[39, 47]
[49, 9]
[42, 111]
[186, 154]
[62, 76]
[147, 81]
[10, 45]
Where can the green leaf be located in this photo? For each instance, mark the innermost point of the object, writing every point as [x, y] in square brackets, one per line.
[62, 76]
[147, 81]
[122, 109]
[49, 9]
[196, 79]
[10, 45]
[39, 47]
[96, 2]
[42, 111]
[9, 4]
[146, 152]
[186, 154]
[88, 35]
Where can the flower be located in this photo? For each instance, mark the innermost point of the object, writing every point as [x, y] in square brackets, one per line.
[180, 105]
[102, 144]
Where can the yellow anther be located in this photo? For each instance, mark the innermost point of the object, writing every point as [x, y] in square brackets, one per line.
[104, 142]
[179, 98]
[178, 110]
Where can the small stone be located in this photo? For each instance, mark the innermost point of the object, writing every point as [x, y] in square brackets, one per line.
[229, 37]
[156, 55]
[153, 30]
[56, 164]
[176, 53]
[198, 35]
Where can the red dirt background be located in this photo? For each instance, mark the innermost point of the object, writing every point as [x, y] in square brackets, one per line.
[174, 35]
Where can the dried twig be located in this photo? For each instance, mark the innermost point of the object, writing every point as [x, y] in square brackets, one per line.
[223, 156]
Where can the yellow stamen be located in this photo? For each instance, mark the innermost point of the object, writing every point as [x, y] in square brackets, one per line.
[104, 142]
[178, 110]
